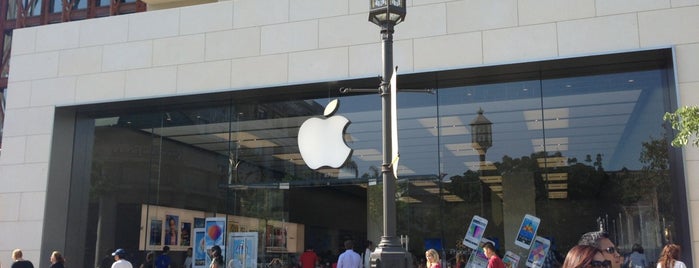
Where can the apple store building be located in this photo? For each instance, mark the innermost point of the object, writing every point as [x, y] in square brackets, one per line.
[158, 154]
[581, 146]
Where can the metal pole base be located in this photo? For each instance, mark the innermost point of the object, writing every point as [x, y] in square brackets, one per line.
[390, 254]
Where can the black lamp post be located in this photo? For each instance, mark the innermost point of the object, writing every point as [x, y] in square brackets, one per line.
[389, 253]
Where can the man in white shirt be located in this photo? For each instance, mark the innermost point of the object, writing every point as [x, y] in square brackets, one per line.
[366, 257]
[188, 260]
[349, 259]
[119, 261]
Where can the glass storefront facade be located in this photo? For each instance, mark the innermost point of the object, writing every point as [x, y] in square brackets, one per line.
[579, 143]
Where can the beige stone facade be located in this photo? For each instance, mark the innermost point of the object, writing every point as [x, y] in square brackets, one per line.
[244, 44]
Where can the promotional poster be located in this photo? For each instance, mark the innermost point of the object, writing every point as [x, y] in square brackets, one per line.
[478, 258]
[511, 260]
[538, 253]
[199, 250]
[215, 229]
[242, 250]
[475, 232]
[527, 231]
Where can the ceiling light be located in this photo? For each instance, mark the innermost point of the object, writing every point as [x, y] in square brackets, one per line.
[408, 199]
[462, 149]
[551, 162]
[478, 165]
[558, 195]
[435, 190]
[491, 179]
[555, 176]
[452, 198]
[557, 186]
[449, 126]
[554, 118]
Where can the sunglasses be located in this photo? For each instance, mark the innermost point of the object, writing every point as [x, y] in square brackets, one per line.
[610, 250]
[600, 264]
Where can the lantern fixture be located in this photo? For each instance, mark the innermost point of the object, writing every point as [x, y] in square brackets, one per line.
[384, 12]
[481, 132]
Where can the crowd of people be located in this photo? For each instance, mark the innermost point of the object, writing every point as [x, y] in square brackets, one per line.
[594, 250]
[348, 258]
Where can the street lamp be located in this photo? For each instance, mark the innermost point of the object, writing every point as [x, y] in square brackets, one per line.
[389, 253]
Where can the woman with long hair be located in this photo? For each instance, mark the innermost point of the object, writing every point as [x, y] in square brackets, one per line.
[57, 260]
[216, 259]
[583, 256]
[460, 260]
[432, 259]
[670, 257]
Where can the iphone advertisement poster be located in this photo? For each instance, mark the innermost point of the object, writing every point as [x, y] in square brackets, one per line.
[475, 232]
[527, 231]
[537, 254]
[510, 260]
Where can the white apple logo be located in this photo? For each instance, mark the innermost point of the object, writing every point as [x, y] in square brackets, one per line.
[321, 140]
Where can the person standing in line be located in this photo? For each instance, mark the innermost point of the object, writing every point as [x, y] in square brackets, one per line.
[56, 260]
[149, 261]
[637, 259]
[670, 257]
[216, 257]
[349, 258]
[309, 259]
[494, 260]
[601, 241]
[432, 259]
[120, 259]
[366, 256]
[18, 261]
[107, 260]
[460, 261]
[584, 256]
[188, 259]
[163, 260]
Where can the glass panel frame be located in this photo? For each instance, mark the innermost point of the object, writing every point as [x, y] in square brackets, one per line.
[244, 146]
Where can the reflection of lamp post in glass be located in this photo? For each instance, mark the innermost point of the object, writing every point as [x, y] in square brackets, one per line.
[481, 135]
[481, 140]
[389, 252]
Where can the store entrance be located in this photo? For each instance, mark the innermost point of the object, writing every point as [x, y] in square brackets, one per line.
[330, 215]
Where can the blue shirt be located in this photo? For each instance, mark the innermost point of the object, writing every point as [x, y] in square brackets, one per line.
[349, 259]
[163, 261]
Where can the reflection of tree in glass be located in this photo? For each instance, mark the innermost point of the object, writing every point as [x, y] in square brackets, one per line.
[654, 177]
[100, 181]
[375, 209]
[587, 181]
[636, 186]
[466, 186]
